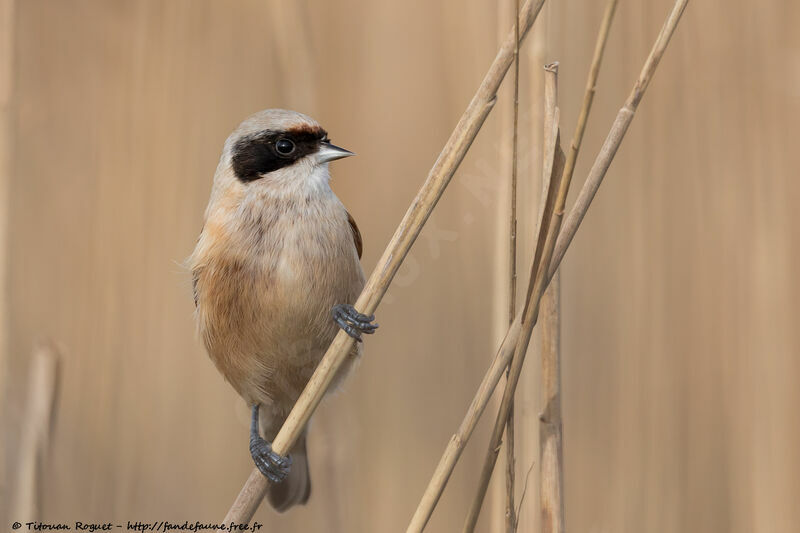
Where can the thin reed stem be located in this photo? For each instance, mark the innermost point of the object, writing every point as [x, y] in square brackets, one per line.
[254, 489]
[510, 515]
[512, 289]
[615, 135]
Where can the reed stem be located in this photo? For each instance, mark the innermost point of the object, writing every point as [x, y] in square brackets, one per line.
[551, 453]
[554, 158]
[510, 515]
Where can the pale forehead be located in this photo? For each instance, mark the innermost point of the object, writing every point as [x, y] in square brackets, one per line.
[274, 119]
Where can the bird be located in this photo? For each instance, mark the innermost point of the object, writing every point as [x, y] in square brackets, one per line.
[275, 273]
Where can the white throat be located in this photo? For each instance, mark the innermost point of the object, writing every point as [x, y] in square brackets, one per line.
[302, 180]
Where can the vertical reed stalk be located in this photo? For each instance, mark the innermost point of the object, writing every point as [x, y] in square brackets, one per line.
[551, 459]
[36, 432]
[554, 159]
[551, 453]
[510, 515]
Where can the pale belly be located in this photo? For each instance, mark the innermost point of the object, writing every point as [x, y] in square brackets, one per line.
[266, 322]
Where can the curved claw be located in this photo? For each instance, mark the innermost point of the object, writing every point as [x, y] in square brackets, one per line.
[274, 467]
[353, 322]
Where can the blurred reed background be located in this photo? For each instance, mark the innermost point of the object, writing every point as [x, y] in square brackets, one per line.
[680, 301]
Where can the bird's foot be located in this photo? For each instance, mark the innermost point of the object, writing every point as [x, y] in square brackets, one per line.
[274, 467]
[353, 322]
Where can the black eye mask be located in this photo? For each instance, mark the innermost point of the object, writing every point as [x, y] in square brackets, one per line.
[269, 150]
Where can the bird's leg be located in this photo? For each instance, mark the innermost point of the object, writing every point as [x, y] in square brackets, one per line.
[275, 467]
[353, 322]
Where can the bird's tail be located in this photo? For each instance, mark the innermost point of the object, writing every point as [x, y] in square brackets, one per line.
[296, 488]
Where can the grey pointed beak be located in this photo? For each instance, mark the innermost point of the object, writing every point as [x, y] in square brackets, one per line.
[329, 152]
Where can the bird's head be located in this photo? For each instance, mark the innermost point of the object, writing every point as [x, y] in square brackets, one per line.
[276, 149]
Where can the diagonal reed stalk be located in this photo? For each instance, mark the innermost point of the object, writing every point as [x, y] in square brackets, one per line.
[254, 489]
[457, 442]
[602, 162]
[510, 515]
[551, 453]
[615, 135]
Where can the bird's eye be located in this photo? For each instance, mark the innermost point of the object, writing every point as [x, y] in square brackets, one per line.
[284, 146]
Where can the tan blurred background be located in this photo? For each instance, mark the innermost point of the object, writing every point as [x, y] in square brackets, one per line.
[681, 344]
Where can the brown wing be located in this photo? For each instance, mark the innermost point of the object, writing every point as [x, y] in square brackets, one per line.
[356, 235]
